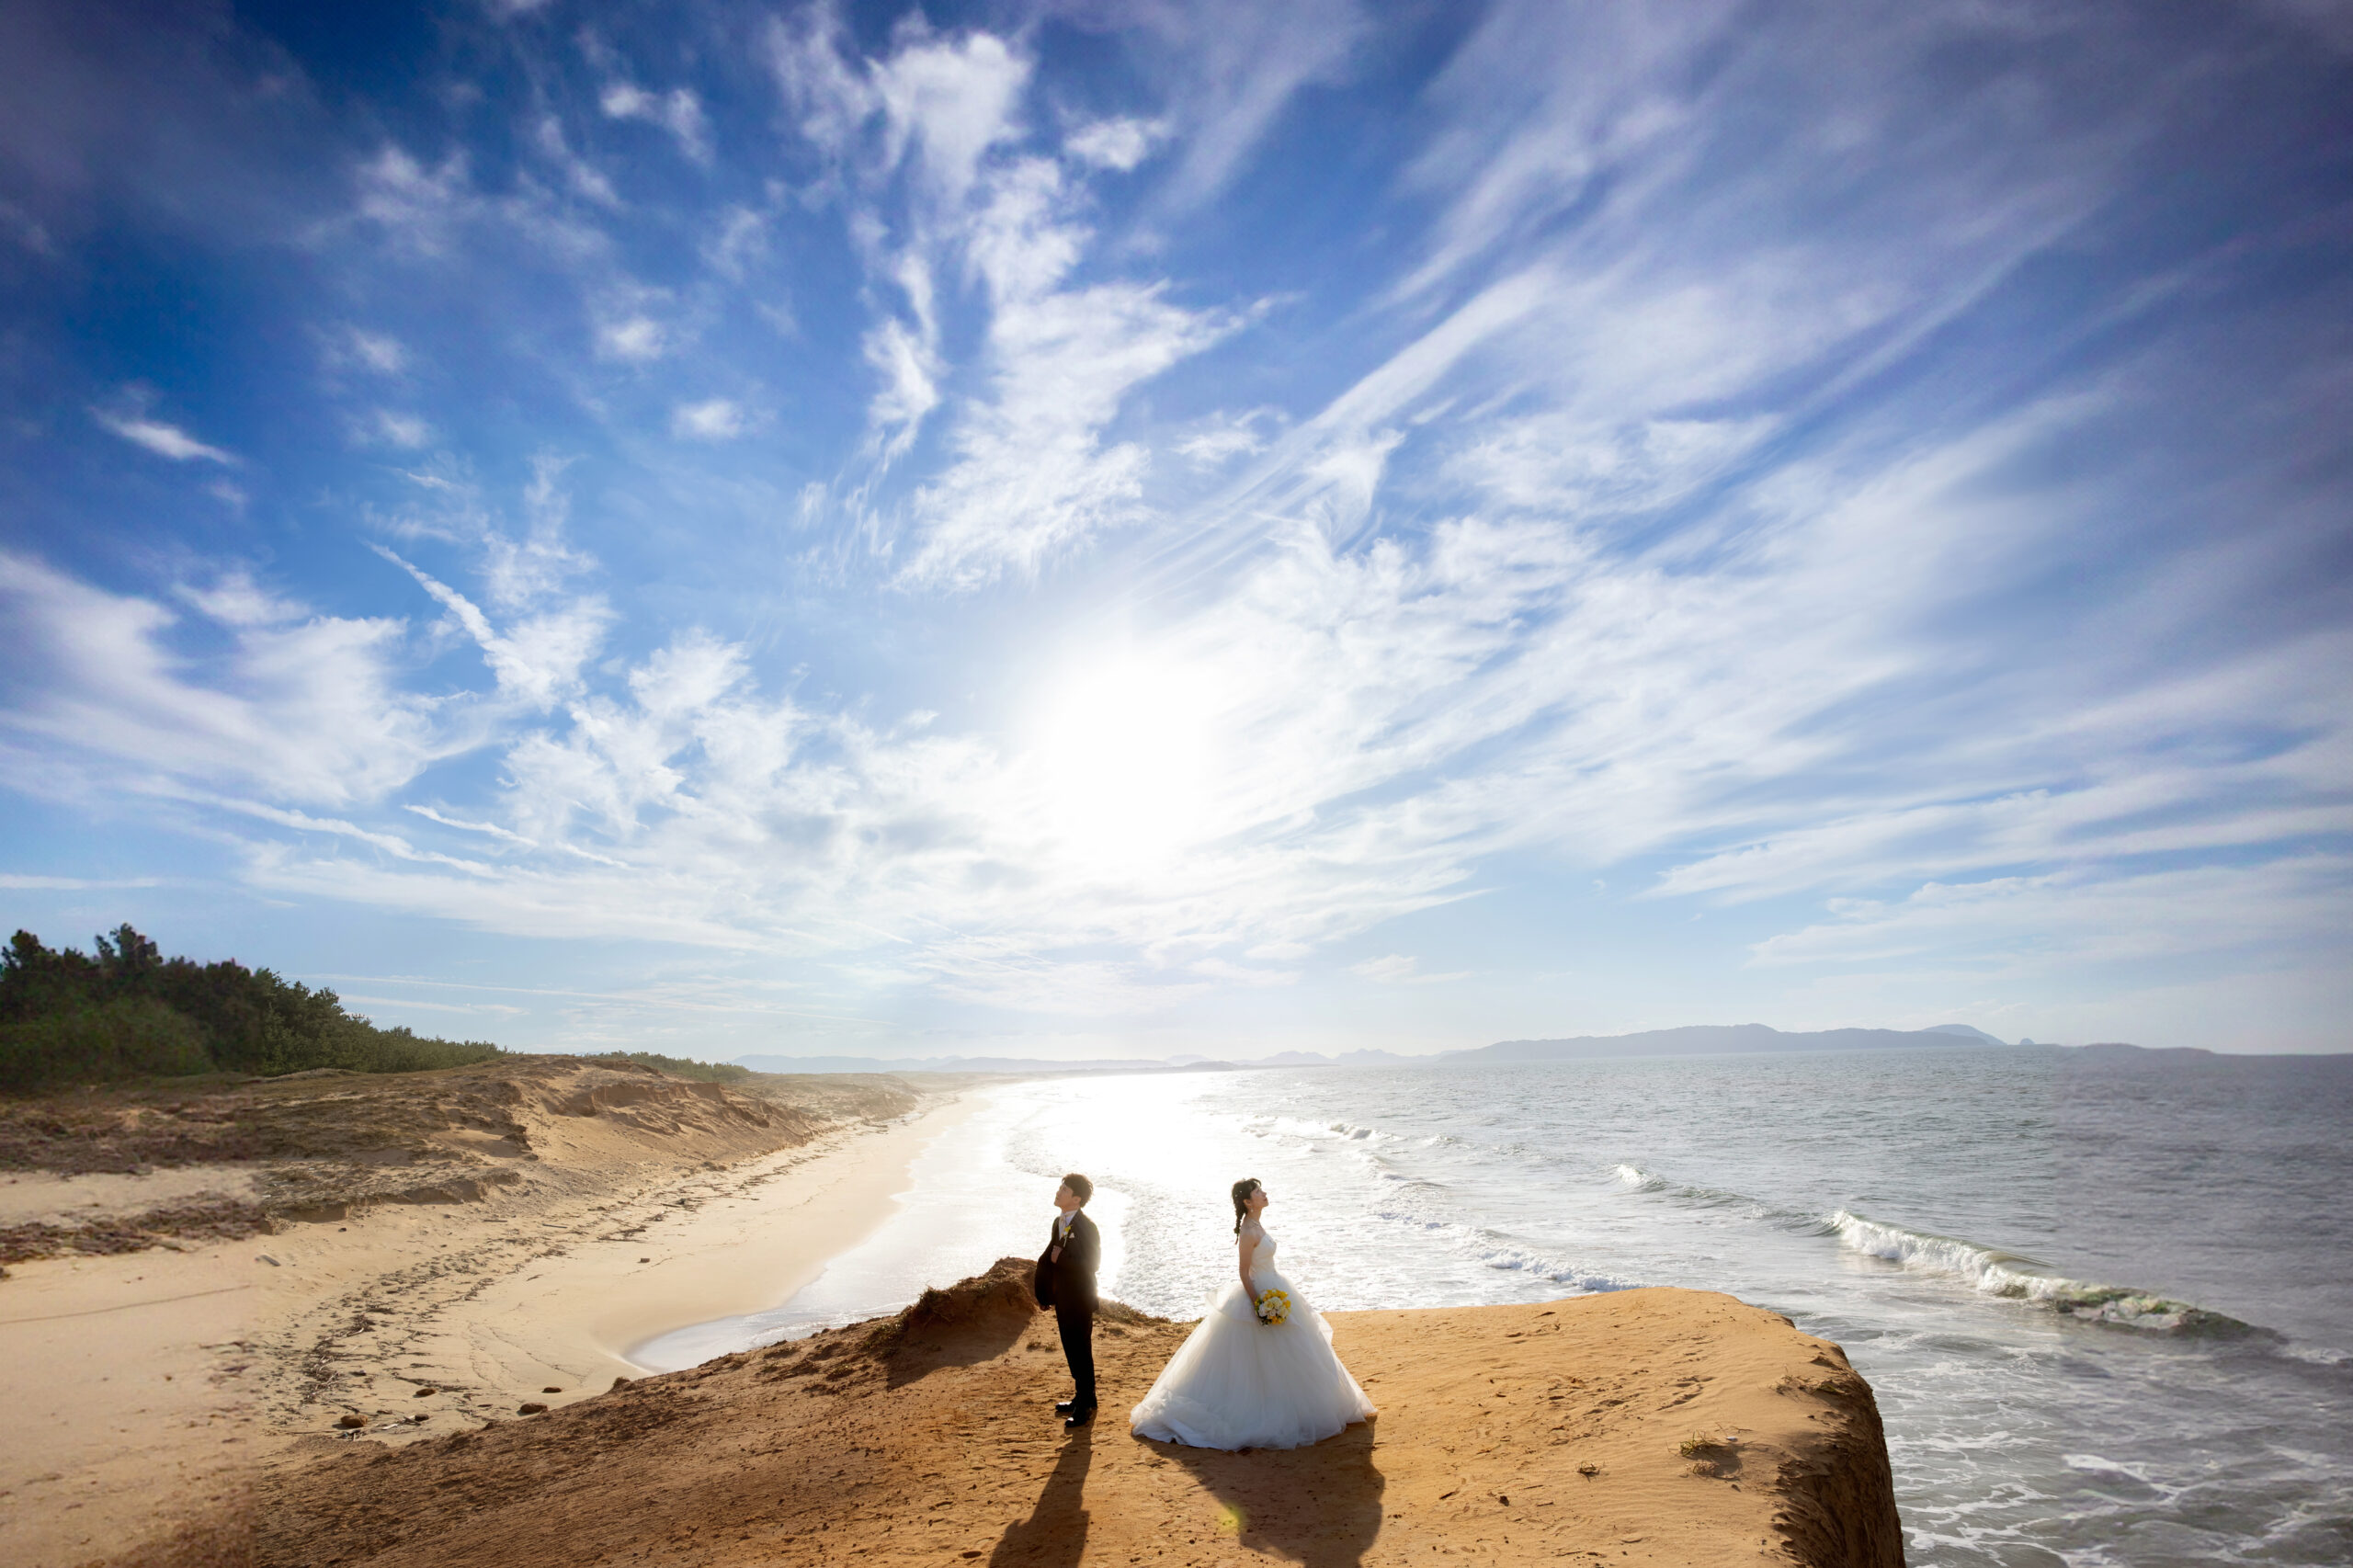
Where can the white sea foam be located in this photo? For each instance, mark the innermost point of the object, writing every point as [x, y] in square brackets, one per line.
[1640, 1180]
[2318, 1355]
[1999, 1273]
[1321, 1131]
[1560, 1273]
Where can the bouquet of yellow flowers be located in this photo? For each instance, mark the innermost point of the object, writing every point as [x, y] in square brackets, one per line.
[1273, 1306]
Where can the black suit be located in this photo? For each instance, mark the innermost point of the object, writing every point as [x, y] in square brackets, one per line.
[1067, 1284]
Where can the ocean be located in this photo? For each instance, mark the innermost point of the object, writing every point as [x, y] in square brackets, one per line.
[2106, 1302]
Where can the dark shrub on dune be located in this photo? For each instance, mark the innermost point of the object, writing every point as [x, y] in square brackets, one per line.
[129, 1012]
[679, 1066]
[127, 1037]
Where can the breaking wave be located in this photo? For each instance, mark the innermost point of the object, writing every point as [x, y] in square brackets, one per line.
[1495, 1252]
[1989, 1269]
[1640, 1180]
[1553, 1270]
[2007, 1275]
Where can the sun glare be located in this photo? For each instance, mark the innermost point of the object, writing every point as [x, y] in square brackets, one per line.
[1124, 761]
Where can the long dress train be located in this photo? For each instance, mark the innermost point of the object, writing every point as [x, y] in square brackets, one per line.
[1238, 1383]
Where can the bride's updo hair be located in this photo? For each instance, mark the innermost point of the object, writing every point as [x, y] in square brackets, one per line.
[1242, 1192]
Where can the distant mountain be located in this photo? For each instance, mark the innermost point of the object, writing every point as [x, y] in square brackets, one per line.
[1187, 1063]
[1710, 1039]
[1967, 1031]
[948, 1064]
[1699, 1039]
[2117, 1051]
[1345, 1058]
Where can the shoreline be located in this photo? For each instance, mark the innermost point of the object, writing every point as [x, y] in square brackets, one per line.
[744, 1253]
[557, 1324]
[152, 1387]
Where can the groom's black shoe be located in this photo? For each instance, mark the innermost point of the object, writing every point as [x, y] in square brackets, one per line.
[1078, 1418]
[1065, 1406]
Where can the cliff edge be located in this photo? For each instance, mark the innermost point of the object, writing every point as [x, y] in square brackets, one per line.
[1645, 1426]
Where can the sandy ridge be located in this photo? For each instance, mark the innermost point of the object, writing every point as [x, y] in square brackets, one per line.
[488, 1234]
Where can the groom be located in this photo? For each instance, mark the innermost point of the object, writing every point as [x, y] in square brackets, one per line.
[1065, 1282]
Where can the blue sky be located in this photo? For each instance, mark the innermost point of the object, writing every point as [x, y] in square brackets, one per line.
[1132, 528]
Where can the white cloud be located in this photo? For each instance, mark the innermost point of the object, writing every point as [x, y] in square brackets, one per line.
[419, 208]
[715, 419]
[910, 388]
[678, 112]
[1224, 437]
[16, 882]
[233, 598]
[2156, 930]
[949, 101]
[395, 429]
[536, 660]
[741, 240]
[585, 178]
[1401, 968]
[635, 338]
[1118, 145]
[377, 351]
[164, 441]
[303, 706]
[1031, 478]
[491, 829]
[1230, 67]
[1485, 602]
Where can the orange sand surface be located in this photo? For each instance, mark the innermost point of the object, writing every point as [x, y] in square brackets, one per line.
[1647, 1426]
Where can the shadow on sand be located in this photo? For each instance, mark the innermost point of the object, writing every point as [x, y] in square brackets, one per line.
[1319, 1507]
[1054, 1535]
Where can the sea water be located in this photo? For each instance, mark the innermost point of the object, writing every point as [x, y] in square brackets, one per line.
[2106, 1303]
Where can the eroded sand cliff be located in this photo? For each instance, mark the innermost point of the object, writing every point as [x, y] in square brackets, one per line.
[1646, 1426]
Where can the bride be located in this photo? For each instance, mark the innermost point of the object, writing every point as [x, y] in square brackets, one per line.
[1240, 1381]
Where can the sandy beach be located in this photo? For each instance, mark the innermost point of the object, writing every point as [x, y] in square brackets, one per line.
[148, 1386]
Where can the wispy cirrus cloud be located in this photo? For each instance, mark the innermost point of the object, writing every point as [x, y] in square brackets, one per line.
[1026, 537]
[298, 707]
[163, 440]
[1031, 476]
[677, 111]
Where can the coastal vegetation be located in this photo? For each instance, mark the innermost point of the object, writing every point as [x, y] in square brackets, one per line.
[126, 1011]
[678, 1066]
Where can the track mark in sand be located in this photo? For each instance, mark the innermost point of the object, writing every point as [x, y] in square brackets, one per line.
[127, 1306]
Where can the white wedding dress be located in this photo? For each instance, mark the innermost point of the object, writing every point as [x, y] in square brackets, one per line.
[1239, 1384]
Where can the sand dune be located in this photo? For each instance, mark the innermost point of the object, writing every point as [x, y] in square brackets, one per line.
[199, 1278]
